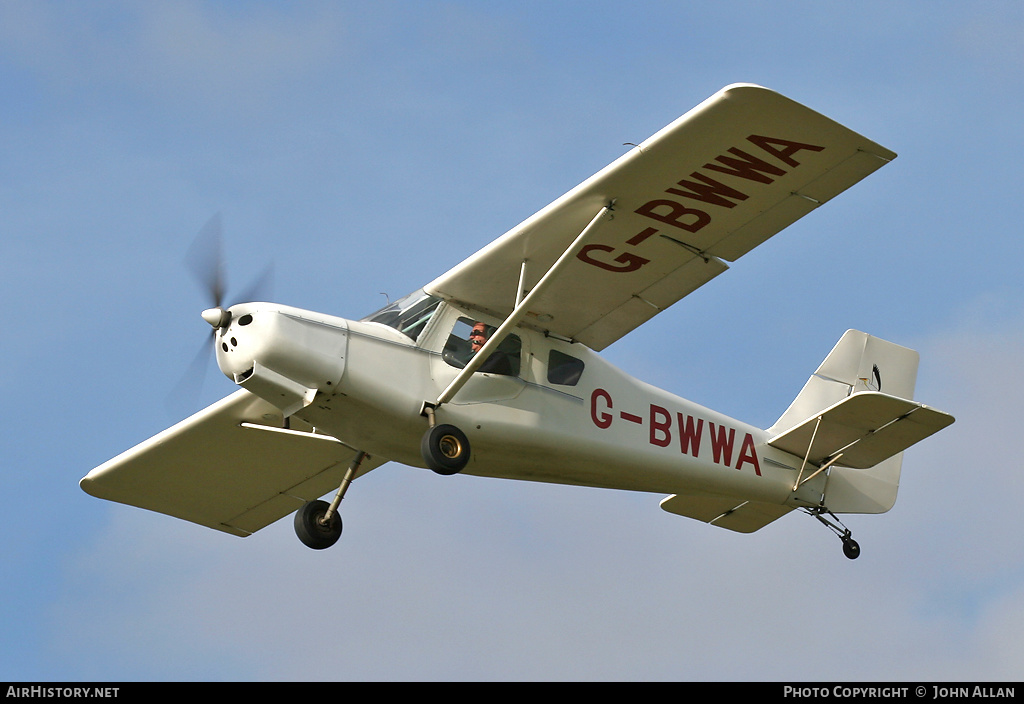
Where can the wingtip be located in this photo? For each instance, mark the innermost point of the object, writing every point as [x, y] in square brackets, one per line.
[87, 483]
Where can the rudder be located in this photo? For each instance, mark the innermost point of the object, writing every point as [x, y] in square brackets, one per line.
[859, 362]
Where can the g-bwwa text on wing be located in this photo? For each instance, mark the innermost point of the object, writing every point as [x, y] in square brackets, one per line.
[704, 190]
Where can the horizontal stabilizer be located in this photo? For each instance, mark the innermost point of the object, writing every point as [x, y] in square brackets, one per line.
[224, 468]
[725, 512]
[865, 428]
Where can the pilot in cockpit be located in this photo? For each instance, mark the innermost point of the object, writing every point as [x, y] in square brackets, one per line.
[478, 337]
[498, 362]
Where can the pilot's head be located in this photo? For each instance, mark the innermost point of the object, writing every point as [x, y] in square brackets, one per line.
[478, 337]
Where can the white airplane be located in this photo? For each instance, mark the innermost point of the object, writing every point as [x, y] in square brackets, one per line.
[492, 368]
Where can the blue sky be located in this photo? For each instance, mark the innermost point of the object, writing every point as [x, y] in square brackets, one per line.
[365, 148]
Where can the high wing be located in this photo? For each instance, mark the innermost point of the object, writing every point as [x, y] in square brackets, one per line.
[226, 468]
[704, 190]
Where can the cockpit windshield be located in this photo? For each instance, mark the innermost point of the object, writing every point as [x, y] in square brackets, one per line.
[408, 315]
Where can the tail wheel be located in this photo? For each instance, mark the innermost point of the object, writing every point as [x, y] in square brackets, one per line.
[445, 449]
[311, 528]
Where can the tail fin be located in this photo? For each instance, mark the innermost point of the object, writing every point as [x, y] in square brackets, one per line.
[886, 372]
[858, 362]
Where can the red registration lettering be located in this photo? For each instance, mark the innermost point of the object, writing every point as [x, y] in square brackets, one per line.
[782, 149]
[661, 426]
[690, 429]
[673, 213]
[689, 436]
[622, 264]
[747, 454]
[601, 418]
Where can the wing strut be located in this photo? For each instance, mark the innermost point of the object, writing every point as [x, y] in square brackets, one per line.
[519, 312]
[822, 468]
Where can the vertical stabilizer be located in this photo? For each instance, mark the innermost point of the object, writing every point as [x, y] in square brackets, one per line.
[858, 363]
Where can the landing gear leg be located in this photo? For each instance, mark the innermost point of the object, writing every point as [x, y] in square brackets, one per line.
[318, 523]
[851, 548]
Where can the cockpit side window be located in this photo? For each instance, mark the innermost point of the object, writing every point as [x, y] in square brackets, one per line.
[468, 336]
[408, 315]
[564, 369]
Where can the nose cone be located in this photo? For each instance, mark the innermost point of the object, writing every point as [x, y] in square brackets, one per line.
[216, 317]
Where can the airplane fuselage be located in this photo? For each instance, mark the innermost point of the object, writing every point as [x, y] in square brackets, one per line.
[366, 383]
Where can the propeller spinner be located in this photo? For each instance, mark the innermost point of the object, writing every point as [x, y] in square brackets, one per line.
[217, 317]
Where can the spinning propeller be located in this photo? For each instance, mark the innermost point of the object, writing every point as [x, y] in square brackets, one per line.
[205, 260]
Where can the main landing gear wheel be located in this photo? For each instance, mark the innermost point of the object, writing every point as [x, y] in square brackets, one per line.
[311, 528]
[445, 449]
[851, 548]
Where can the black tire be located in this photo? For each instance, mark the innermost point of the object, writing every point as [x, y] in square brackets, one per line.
[851, 548]
[311, 531]
[445, 449]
